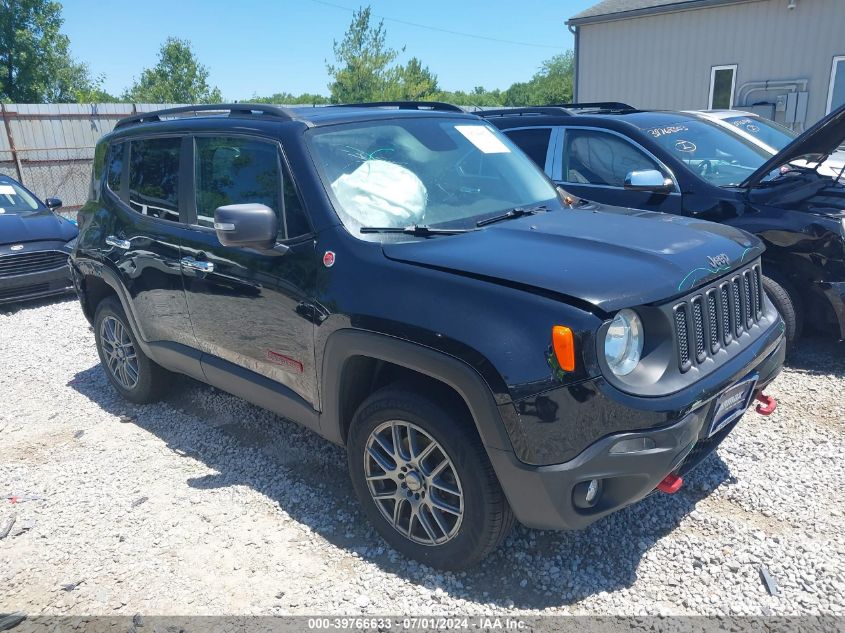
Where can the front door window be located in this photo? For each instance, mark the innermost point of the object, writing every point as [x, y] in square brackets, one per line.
[599, 158]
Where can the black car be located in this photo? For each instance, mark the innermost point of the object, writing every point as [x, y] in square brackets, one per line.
[34, 245]
[405, 282]
[680, 163]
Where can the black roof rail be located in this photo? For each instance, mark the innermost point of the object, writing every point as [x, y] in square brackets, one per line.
[598, 106]
[404, 105]
[234, 109]
[527, 111]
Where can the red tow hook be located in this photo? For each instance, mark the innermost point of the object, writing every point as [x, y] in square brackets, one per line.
[671, 484]
[768, 406]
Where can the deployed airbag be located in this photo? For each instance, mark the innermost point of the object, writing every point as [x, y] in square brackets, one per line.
[381, 193]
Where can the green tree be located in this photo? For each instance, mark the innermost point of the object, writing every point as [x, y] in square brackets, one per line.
[35, 61]
[552, 83]
[178, 77]
[411, 82]
[287, 98]
[361, 71]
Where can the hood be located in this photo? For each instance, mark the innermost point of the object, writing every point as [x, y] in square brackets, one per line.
[821, 139]
[611, 258]
[43, 225]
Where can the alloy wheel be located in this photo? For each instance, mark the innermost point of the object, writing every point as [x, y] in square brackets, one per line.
[121, 357]
[413, 482]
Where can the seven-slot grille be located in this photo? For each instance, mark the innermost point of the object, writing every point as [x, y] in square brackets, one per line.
[717, 316]
[28, 263]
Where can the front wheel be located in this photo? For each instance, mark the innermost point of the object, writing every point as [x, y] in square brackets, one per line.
[784, 297]
[425, 481]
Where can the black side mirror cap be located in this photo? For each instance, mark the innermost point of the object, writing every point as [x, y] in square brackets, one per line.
[53, 203]
[246, 225]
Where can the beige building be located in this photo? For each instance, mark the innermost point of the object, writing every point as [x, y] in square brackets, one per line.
[784, 59]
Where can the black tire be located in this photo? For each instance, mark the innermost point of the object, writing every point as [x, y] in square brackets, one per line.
[487, 518]
[152, 379]
[786, 299]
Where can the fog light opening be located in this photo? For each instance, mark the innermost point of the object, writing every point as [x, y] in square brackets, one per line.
[635, 445]
[587, 493]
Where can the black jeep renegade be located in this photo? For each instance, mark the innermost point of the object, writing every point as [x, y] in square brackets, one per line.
[407, 283]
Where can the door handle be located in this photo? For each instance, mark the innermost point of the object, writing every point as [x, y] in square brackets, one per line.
[195, 264]
[111, 240]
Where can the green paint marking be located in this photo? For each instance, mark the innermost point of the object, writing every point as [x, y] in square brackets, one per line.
[713, 271]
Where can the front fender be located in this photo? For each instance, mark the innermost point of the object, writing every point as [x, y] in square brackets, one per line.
[344, 344]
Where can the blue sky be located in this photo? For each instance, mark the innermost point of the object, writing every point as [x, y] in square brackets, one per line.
[253, 47]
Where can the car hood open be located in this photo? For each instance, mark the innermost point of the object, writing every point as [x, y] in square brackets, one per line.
[35, 226]
[609, 257]
[821, 139]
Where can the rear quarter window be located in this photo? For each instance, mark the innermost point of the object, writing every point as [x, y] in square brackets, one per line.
[114, 167]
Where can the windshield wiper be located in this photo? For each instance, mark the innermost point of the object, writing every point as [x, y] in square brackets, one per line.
[516, 212]
[417, 230]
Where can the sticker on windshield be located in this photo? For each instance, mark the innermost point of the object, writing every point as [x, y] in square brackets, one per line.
[657, 132]
[684, 146]
[748, 124]
[483, 139]
[7, 190]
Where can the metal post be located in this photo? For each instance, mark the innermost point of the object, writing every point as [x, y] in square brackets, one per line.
[11, 138]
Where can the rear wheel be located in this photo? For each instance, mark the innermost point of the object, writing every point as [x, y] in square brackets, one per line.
[785, 298]
[425, 481]
[129, 370]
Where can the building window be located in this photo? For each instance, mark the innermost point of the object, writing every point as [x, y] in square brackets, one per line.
[722, 83]
[836, 93]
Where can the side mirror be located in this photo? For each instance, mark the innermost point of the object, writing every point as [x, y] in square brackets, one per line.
[247, 225]
[648, 180]
[53, 203]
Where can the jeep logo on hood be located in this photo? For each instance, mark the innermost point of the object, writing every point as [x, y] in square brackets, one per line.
[719, 261]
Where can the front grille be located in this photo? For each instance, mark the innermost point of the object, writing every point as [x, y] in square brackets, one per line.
[24, 291]
[28, 263]
[717, 317]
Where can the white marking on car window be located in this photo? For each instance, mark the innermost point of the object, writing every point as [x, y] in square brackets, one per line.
[483, 139]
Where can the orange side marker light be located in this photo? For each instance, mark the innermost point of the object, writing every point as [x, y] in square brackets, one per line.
[563, 344]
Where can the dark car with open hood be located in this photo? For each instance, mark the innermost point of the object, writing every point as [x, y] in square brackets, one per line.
[35, 244]
[404, 281]
[681, 162]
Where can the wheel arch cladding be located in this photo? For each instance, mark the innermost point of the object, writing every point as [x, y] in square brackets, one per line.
[350, 372]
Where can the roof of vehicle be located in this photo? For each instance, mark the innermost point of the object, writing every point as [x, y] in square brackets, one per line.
[723, 114]
[310, 116]
[642, 119]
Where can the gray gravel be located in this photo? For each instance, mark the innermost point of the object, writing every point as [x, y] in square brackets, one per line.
[204, 504]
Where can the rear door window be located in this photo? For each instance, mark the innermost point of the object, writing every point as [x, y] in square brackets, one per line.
[599, 158]
[533, 141]
[154, 177]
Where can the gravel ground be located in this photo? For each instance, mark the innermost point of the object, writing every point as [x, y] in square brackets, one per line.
[204, 504]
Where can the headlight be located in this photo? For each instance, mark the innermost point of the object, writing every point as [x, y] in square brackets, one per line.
[623, 342]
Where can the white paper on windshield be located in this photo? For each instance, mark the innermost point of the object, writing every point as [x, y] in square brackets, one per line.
[7, 190]
[483, 139]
